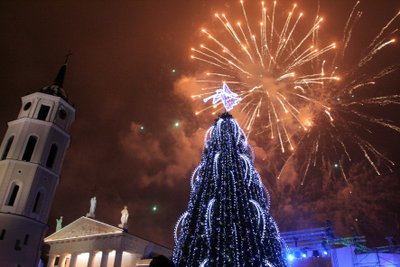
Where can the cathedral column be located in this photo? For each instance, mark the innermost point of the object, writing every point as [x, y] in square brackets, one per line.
[52, 260]
[104, 258]
[62, 260]
[91, 258]
[118, 258]
[72, 261]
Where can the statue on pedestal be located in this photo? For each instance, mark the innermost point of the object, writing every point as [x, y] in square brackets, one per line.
[59, 224]
[124, 218]
[92, 208]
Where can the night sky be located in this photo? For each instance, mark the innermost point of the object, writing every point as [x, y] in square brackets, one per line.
[127, 78]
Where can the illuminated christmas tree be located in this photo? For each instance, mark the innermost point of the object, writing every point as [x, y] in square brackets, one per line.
[227, 222]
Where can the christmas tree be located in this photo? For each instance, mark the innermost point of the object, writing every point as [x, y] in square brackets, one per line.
[227, 222]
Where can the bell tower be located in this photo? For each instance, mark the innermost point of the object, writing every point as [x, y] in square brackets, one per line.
[31, 157]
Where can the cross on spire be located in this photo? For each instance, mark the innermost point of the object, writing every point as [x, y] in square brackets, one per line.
[67, 57]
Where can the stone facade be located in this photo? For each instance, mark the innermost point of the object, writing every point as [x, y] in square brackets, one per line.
[87, 242]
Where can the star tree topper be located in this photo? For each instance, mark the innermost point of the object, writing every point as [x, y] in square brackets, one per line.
[228, 98]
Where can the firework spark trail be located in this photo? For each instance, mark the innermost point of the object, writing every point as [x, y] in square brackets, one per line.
[348, 29]
[383, 30]
[380, 100]
[374, 50]
[310, 113]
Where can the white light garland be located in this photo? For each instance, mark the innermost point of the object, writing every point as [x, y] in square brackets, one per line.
[193, 175]
[203, 263]
[208, 218]
[261, 214]
[181, 219]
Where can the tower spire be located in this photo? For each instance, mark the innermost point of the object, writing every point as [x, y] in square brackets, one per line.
[57, 87]
[59, 81]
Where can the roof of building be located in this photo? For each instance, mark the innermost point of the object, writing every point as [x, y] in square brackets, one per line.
[84, 227]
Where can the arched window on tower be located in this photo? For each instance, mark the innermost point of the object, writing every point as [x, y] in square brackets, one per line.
[7, 148]
[43, 112]
[52, 156]
[12, 194]
[37, 205]
[30, 147]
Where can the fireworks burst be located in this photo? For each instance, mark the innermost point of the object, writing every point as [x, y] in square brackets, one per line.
[295, 89]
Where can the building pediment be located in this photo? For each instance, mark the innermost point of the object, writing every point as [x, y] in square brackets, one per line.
[83, 227]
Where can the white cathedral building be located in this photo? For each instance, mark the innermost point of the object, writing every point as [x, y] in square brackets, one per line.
[88, 242]
[31, 157]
